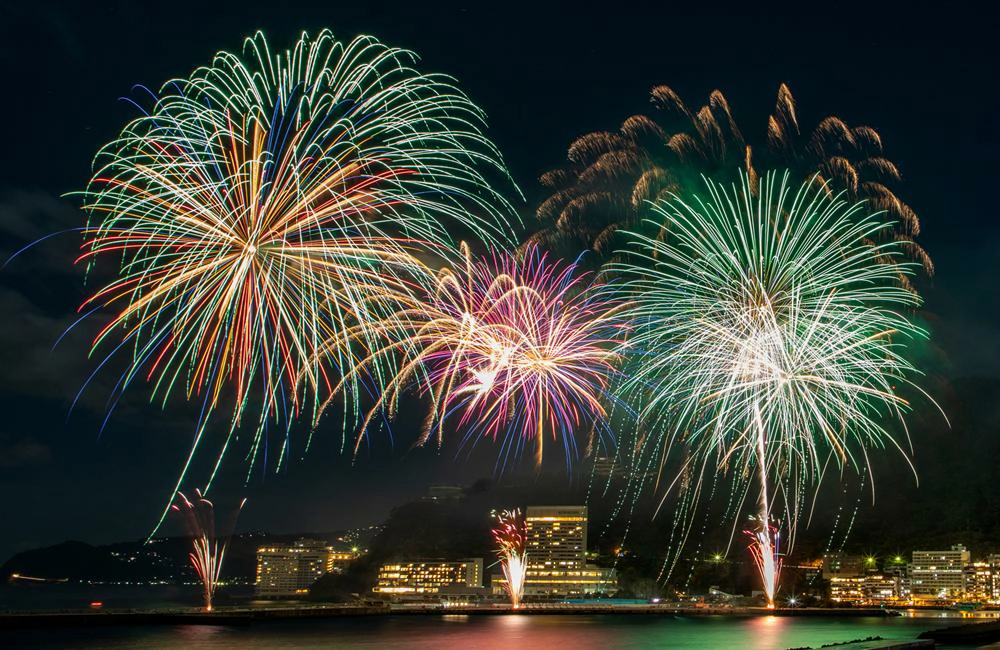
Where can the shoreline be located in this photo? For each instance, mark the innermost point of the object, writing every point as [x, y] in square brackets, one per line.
[242, 616]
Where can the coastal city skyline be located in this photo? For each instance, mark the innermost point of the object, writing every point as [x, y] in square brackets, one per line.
[561, 566]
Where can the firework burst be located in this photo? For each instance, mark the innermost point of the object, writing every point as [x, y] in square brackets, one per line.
[521, 347]
[770, 341]
[208, 550]
[612, 178]
[511, 537]
[271, 205]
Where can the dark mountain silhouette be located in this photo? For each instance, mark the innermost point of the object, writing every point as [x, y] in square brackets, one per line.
[956, 501]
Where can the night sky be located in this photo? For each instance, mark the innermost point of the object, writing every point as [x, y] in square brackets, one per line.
[926, 79]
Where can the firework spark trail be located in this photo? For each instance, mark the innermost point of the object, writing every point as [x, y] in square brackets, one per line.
[766, 553]
[511, 537]
[521, 347]
[208, 549]
[769, 339]
[270, 206]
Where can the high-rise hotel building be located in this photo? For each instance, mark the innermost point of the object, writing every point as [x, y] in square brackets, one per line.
[557, 536]
[423, 578]
[557, 554]
[289, 570]
[939, 573]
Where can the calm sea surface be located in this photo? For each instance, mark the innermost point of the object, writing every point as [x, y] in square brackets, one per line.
[510, 632]
[437, 632]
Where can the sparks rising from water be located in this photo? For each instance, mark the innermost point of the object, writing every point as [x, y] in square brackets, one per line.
[208, 550]
[765, 549]
[511, 536]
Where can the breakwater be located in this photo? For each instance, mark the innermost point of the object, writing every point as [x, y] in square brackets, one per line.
[238, 616]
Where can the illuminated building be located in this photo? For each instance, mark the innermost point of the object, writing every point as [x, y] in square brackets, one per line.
[846, 590]
[994, 591]
[557, 536]
[557, 554]
[284, 570]
[939, 574]
[870, 589]
[982, 580]
[878, 588]
[423, 578]
[842, 565]
[979, 581]
[855, 580]
[588, 579]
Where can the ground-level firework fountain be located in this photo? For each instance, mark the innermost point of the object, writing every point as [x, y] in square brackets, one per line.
[208, 550]
[766, 553]
[511, 536]
[764, 547]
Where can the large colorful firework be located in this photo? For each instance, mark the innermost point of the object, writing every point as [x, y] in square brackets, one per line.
[208, 548]
[612, 178]
[511, 536]
[521, 347]
[770, 336]
[270, 204]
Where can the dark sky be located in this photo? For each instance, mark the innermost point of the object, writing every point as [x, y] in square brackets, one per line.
[924, 78]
